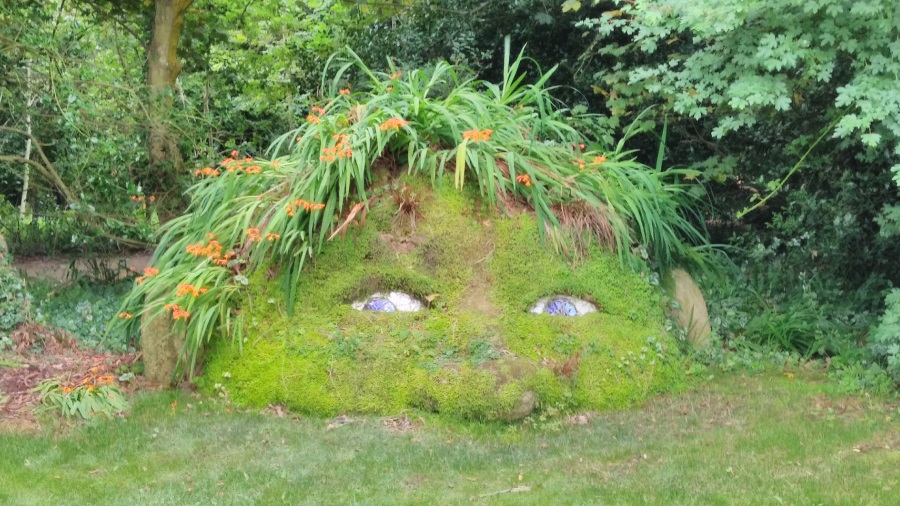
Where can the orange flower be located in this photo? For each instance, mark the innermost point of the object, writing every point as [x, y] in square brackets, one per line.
[177, 312]
[318, 110]
[345, 91]
[152, 198]
[312, 118]
[212, 249]
[206, 171]
[341, 149]
[599, 159]
[253, 169]
[299, 138]
[478, 135]
[271, 237]
[184, 289]
[222, 260]
[125, 315]
[253, 234]
[394, 123]
[234, 153]
[276, 164]
[149, 272]
[307, 206]
[390, 88]
[397, 74]
[524, 179]
[580, 163]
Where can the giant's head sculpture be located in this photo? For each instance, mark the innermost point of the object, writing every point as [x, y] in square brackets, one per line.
[438, 302]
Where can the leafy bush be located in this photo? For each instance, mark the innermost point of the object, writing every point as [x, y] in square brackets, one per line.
[885, 337]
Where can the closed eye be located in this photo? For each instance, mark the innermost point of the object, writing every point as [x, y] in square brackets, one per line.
[389, 303]
[562, 305]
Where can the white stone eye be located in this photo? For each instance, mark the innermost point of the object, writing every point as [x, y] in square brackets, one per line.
[389, 303]
[562, 305]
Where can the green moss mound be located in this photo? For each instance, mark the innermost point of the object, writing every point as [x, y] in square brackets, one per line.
[475, 352]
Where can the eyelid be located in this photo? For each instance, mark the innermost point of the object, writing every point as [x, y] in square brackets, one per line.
[582, 307]
[402, 302]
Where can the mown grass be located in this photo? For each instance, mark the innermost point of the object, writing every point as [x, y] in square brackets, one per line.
[761, 439]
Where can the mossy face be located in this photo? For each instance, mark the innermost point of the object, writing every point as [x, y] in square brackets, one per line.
[475, 351]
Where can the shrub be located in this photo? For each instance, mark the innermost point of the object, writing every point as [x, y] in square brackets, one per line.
[885, 337]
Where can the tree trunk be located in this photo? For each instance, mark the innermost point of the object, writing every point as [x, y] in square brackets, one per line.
[163, 68]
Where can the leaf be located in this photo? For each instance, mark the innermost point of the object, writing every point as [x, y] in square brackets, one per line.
[460, 165]
[571, 6]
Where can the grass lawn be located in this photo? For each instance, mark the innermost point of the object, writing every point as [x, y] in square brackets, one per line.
[757, 439]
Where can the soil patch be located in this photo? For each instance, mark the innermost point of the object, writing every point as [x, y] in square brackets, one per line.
[22, 370]
[62, 268]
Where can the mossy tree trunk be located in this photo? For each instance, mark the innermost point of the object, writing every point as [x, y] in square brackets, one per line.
[160, 347]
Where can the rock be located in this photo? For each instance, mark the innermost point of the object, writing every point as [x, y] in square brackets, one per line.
[521, 409]
[511, 369]
[692, 313]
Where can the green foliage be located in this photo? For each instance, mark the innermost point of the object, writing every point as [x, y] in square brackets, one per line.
[84, 310]
[885, 337]
[512, 141]
[84, 401]
[746, 62]
[14, 300]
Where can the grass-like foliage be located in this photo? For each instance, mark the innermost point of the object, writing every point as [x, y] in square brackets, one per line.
[521, 147]
[94, 395]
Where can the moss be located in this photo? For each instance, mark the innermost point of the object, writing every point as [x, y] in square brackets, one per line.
[328, 358]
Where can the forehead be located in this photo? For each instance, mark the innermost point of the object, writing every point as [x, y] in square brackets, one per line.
[451, 251]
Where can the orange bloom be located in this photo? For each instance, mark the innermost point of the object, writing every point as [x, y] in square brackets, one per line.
[599, 159]
[299, 138]
[341, 149]
[253, 169]
[580, 163]
[272, 236]
[212, 249]
[390, 88]
[307, 206]
[524, 179]
[126, 316]
[318, 110]
[312, 118]
[478, 135]
[177, 312]
[206, 171]
[253, 234]
[149, 272]
[397, 74]
[152, 198]
[394, 123]
[345, 91]
[234, 153]
[185, 289]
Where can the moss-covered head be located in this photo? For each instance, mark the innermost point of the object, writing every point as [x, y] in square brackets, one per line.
[475, 351]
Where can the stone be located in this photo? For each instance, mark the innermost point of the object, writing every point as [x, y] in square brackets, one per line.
[510, 369]
[692, 313]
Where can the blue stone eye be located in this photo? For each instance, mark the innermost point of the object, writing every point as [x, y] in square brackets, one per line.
[380, 305]
[560, 307]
